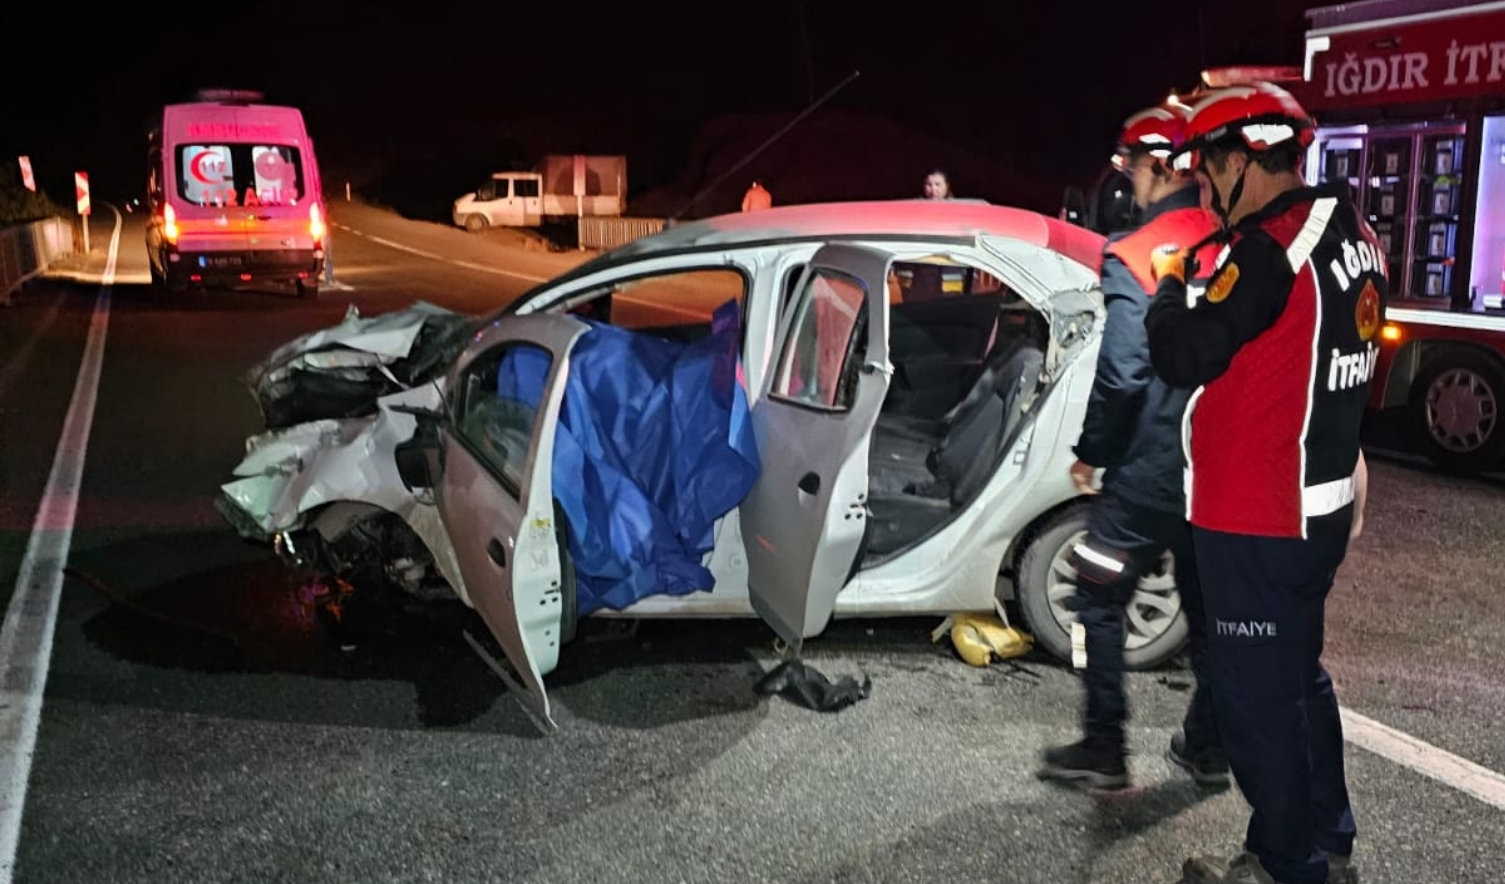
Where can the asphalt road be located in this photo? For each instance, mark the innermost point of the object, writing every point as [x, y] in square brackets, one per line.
[199, 727]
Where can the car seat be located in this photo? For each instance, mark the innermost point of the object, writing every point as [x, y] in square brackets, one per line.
[984, 422]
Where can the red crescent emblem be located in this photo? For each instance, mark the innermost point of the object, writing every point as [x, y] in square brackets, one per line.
[196, 167]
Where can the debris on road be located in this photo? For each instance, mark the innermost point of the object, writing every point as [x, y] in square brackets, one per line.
[981, 638]
[808, 687]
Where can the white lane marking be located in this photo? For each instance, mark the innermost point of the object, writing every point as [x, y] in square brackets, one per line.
[1424, 758]
[26, 637]
[433, 256]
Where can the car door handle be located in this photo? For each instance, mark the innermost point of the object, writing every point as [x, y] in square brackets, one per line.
[497, 552]
[810, 484]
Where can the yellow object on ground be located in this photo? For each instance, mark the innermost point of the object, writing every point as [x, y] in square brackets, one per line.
[979, 638]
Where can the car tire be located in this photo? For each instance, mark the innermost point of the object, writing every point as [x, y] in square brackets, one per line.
[475, 223]
[1153, 635]
[308, 289]
[1454, 410]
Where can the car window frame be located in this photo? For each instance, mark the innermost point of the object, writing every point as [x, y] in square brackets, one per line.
[456, 414]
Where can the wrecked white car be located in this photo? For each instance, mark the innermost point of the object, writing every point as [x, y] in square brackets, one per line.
[846, 410]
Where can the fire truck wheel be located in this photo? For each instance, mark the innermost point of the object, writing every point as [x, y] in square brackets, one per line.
[1454, 410]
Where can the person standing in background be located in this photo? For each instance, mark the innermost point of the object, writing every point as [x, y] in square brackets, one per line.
[937, 186]
[757, 197]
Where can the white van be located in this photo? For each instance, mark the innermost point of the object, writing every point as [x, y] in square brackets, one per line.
[234, 195]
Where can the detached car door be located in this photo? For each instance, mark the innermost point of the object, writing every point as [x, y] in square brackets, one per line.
[496, 493]
[806, 514]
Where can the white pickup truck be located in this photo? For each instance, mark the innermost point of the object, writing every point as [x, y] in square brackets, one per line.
[559, 186]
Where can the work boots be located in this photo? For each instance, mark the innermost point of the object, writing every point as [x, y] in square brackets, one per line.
[1246, 869]
[1096, 762]
[1209, 767]
[1340, 869]
[1243, 869]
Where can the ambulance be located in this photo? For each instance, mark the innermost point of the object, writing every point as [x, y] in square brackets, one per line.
[234, 196]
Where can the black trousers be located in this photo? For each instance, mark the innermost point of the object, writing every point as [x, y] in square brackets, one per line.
[1275, 703]
[1124, 541]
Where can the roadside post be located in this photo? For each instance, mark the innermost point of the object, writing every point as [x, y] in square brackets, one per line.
[81, 193]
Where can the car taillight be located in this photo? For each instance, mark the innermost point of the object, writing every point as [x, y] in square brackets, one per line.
[170, 225]
[315, 222]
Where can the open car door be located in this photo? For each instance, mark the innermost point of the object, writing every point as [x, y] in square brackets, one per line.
[496, 492]
[805, 517]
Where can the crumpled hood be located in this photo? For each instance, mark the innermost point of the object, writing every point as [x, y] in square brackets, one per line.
[340, 371]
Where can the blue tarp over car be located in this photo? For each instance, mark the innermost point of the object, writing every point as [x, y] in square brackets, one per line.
[654, 444]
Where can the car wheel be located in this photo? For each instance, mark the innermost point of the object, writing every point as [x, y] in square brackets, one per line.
[308, 289]
[1454, 410]
[1155, 626]
[475, 223]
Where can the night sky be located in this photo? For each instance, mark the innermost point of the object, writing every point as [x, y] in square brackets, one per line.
[1041, 86]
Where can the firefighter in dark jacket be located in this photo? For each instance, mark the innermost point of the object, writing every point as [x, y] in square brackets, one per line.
[1279, 349]
[1132, 431]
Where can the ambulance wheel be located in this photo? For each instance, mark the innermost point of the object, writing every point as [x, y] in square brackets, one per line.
[1154, 624]
[475, 223]
[1454, 410]
[308, 289]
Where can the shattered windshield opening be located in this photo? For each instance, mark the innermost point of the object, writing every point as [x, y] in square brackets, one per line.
[240, 174]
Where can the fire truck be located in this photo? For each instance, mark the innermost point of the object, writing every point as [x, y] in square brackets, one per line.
[1409, 97]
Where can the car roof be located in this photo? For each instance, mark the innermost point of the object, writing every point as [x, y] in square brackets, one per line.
[898, 219]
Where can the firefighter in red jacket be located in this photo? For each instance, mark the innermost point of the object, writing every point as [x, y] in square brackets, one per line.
[1132, 431]
[1279, 349]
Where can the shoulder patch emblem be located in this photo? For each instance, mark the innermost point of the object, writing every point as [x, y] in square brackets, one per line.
[1366, 314]
[1219, 288]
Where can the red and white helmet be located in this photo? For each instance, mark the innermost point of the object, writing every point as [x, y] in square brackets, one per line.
[1156, 131]
[1261, 115]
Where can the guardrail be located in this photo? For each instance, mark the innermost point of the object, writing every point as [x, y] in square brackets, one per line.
[601, 232]
[28, 249]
